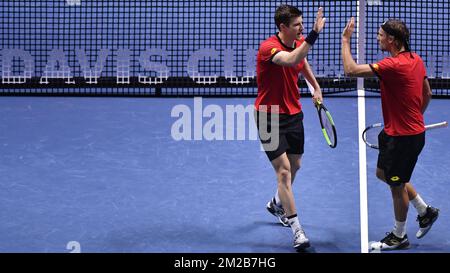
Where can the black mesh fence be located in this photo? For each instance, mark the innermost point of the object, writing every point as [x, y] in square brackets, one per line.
[177, 48]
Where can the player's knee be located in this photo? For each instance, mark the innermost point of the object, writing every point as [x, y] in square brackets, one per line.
[284, 175]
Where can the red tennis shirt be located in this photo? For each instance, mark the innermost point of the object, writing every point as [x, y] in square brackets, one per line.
[401, 83]
[277, 85]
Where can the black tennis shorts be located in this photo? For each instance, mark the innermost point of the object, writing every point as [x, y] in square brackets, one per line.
[290, 138]
[398, 156]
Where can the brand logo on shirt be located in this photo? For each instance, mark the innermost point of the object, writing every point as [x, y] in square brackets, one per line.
[376, 67]
[273, 51]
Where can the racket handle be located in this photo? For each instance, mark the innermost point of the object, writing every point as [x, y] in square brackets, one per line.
[310, 87]
[377, 125]
[436, 125]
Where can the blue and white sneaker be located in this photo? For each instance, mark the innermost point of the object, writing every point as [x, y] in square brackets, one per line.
[300, 240]
[278, 212]
[390, 242]
[426, 221]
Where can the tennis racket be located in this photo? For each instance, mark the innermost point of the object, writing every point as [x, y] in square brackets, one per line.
[370, 134]
[326, 121]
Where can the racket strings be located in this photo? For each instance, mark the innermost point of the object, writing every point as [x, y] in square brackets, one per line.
[328, 126]
[371, 135]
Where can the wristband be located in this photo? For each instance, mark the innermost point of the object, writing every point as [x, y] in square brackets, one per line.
[312, 37]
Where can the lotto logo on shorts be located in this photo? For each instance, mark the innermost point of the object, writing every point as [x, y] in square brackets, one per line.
[273, 51]
[395, 178]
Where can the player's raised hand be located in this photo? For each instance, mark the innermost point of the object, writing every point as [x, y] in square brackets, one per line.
[319, 23]
[349, 28]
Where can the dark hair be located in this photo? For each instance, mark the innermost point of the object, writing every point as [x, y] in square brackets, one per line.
[285, 13]
[399, 30]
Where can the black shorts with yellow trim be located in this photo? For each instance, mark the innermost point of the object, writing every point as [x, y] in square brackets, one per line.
[398, 156]
[280, 133]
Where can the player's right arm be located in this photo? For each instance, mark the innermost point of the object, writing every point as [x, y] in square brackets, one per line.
[294, 57]
[351, 68]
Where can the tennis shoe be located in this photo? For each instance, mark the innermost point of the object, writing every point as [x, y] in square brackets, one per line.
[300, 240]
[278, 212]
[426, 221]
[390, 242]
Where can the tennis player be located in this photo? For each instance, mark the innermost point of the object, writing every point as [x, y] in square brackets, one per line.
[405, 94]
[280, 60]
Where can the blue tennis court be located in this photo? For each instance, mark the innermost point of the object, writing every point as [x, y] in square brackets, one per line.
[127, 126]
[106, 173]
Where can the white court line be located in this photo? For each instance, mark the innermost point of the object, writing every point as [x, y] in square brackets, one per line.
[363, 211]
[362, 174]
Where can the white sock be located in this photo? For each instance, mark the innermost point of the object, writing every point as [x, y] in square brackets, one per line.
[277, 199]
[294, 223]
[400, 229]
[420, 205]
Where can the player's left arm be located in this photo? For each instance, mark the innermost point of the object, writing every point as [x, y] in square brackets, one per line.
[426, 94]
[309, 76]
